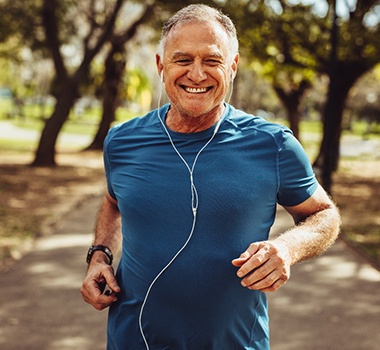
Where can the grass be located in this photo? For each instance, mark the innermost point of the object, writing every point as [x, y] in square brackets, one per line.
[19, 146]
[33, 116]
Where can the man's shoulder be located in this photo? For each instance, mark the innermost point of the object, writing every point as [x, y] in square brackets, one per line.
[246, 121]
[135, 123]
[137, 126]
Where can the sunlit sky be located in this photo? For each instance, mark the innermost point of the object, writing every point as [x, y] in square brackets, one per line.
[320, 6]
[343, 8]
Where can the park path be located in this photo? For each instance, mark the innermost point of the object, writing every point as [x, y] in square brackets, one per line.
[331, 302]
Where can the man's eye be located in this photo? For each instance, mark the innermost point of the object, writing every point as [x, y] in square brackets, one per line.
[183, 62]
[213, 62]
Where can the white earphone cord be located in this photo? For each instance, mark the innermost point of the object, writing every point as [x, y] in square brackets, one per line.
[194, 205]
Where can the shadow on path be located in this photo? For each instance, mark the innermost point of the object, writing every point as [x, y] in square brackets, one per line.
[332, 302]
[41, 306]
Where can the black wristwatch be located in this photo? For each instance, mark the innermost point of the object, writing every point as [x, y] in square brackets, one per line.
[103, 248]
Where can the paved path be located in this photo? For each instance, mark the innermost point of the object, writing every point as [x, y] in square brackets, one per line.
[332, 302]
[40, 304]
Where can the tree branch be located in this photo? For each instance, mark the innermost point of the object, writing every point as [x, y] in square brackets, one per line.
[90, 53]
[49, 21]
[131, 31]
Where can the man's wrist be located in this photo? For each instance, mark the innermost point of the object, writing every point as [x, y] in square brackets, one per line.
[99, 248]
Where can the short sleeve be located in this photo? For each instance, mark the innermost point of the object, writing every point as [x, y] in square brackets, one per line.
[297, 181]
[107, 163]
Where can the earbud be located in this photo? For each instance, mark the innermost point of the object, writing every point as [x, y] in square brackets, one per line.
[233, 74]
[162, 76]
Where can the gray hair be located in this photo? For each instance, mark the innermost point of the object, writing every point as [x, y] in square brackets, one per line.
[204, 14]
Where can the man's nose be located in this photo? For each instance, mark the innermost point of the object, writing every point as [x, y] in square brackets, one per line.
[196, 73]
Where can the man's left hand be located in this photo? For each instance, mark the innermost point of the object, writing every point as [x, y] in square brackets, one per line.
[264, 266]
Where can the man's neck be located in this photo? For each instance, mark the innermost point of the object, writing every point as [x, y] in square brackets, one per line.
[187, 124]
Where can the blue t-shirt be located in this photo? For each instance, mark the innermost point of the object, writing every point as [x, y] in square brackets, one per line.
[198, 302]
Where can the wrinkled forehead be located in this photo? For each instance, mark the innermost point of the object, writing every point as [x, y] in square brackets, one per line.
[197, 34]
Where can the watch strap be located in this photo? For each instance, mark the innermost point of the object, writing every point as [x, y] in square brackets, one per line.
[102, 248]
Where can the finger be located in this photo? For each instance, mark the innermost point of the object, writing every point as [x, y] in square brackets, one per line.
[241, 259]
[275, 286]
[103, 301]
[257, 259]
[268, 273]
[111, 281]
[244, 257]
[260, 279]
[94, 285]
[94, 297]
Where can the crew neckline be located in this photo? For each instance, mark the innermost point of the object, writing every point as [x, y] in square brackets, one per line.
[193, 135]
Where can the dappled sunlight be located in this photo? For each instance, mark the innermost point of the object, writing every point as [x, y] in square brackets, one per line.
[328, 298]
[337, 269]
[65, 241]
[53, 275]
[71, 343]
[41, 306]
[57, 272]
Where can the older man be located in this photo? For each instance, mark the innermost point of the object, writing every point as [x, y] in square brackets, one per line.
[191, 196]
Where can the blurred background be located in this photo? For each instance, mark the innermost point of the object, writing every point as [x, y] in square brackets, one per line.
[69, 70]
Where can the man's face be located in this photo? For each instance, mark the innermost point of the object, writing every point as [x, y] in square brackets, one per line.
[197, 68]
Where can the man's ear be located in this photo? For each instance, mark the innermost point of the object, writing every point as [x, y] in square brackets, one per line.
[234, 67]
[160, 67]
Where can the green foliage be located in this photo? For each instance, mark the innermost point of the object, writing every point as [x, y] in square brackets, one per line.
[20, 19]
[364, 101]
[273, 40]
[287, 43]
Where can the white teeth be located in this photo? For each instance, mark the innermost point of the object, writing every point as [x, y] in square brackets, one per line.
[195, 90]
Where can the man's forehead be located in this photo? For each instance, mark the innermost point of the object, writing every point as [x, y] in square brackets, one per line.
[195, 28]
[188, 38]
[212, 53]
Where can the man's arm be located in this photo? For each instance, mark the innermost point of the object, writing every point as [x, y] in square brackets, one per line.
[100, 273]
[266, 265]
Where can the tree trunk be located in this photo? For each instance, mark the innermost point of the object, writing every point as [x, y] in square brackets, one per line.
[294, 118]
[332, 118]
[113, 76]
[329, 153]
[45, 153]
[67, 85]
[114, 71]
[345, 76]
[292, 101]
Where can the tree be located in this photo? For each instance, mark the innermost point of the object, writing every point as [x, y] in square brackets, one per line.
[18, 35]
[67, 83]
[364, 102]
[19, 22]
[344, 48]
[269, 36]
[115, 64]
[354, 50]
[116, 60]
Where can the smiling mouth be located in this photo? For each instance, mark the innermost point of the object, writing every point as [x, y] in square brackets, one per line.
[196, 90]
